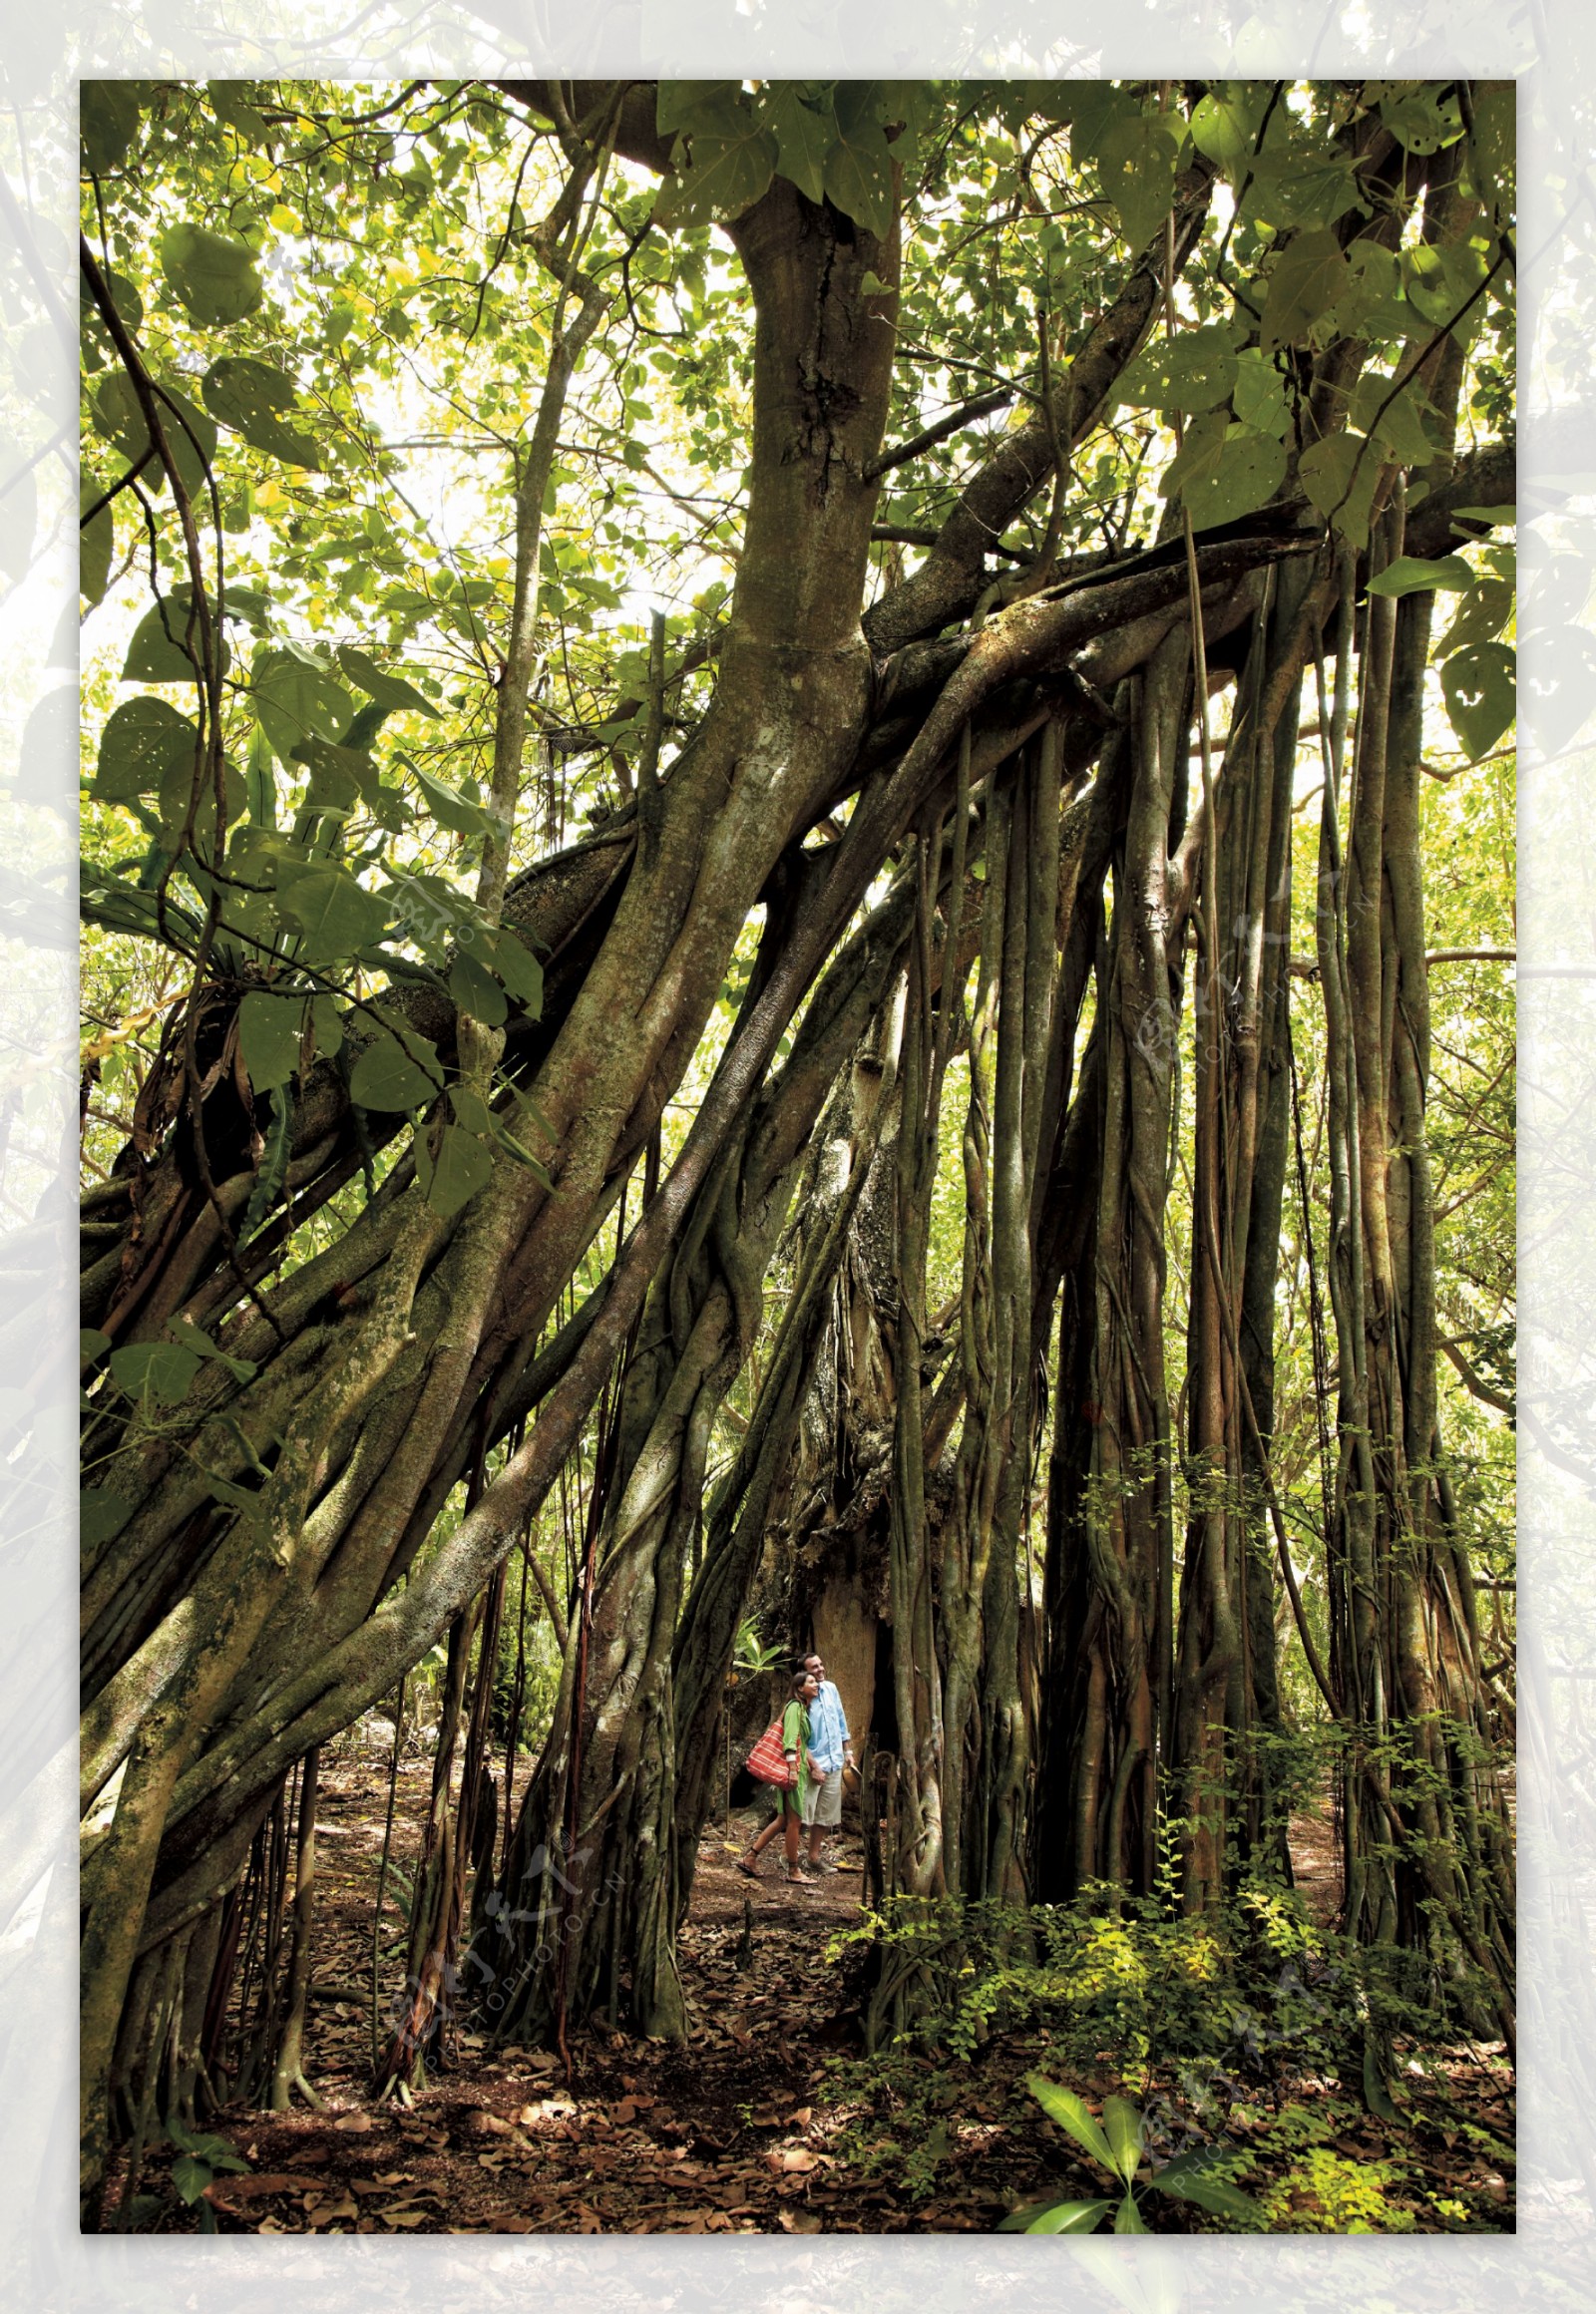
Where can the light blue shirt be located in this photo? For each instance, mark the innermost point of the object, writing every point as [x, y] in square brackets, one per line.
[828, 1727]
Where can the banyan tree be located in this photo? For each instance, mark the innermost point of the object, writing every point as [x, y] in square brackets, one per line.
[754, 841]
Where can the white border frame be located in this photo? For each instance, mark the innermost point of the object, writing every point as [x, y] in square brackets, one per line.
[1550, 45]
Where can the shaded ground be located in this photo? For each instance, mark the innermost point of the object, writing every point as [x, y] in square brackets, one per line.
[759, 2124]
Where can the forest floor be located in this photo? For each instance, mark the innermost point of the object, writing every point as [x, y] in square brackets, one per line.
[768, 2119]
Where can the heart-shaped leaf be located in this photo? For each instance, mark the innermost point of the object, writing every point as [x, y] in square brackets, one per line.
[161, 643]
[1480, 687]
[394, 1076]
[145, 744]
[251, 397]
[462, 1166]
[336, 915]
[1305, 282]
[269, 1030]
[212, 273]
[108, 120]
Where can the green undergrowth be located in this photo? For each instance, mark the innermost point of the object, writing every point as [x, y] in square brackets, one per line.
[1312, 2079]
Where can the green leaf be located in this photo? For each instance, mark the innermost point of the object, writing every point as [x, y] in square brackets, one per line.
[1482, 615]
[1258, 395]
[1065, 2217]
[857, 176]
[800, 116]
[1093, 109]
[145, 745]
[450, 809]
[212, 273]
[296, 701]
[1186, 2178]
[1499, 516]
[251, 397]
[519, 971]
[101, 1515]
[391, 1074]
[1197, 460]
[1293, 188]
[229, 103]
[1136, 161]
[108, 120]
[1479, 684]
[1127, 2217]
[726, 175]
[1070, 2113]
[96, 540]
[462, 1166]
[1194, 371]
[1412, 574]
[1122, 2127]
[476, 991]
[470, 1110]
[1339, 476]
[1416, 114]
[184, 1331]
[190, 2176]
[92, 1343]
[327, 1022]
[389, 691]
[1249, 470]
[689, 105]
[1397, 424]
[156, 653]
[271, 1173]
[1440, 282]
[189, 435]
[333, 913]
[269, 1030]
[523, 1156]
[1224, 125]
[158, 1370]
[1305, 282]
[337, 774]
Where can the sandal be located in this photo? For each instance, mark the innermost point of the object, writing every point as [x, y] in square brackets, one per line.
[796, 1879]
[750, 1866]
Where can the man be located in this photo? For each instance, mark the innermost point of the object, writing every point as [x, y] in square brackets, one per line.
[831, 1748]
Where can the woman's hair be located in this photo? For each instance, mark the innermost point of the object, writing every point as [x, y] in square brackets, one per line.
[800, 1682]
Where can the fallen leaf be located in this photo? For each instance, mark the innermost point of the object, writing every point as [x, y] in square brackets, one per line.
[798, 2221]
[356, 2124]
[328, 2213]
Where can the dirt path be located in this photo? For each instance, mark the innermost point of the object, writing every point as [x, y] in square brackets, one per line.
[719, 2135]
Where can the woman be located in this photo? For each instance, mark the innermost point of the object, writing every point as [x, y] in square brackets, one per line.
[790, 1799]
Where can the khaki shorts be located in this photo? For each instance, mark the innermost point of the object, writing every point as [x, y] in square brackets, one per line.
[823, 1801]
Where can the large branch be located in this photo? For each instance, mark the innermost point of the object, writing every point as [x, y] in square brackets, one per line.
[949, 581]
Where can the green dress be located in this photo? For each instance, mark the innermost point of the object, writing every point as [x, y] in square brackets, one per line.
[795, 1737]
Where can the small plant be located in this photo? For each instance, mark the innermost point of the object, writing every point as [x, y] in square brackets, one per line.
[1118, 2146]
[202, 2156]
[749, 1654]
